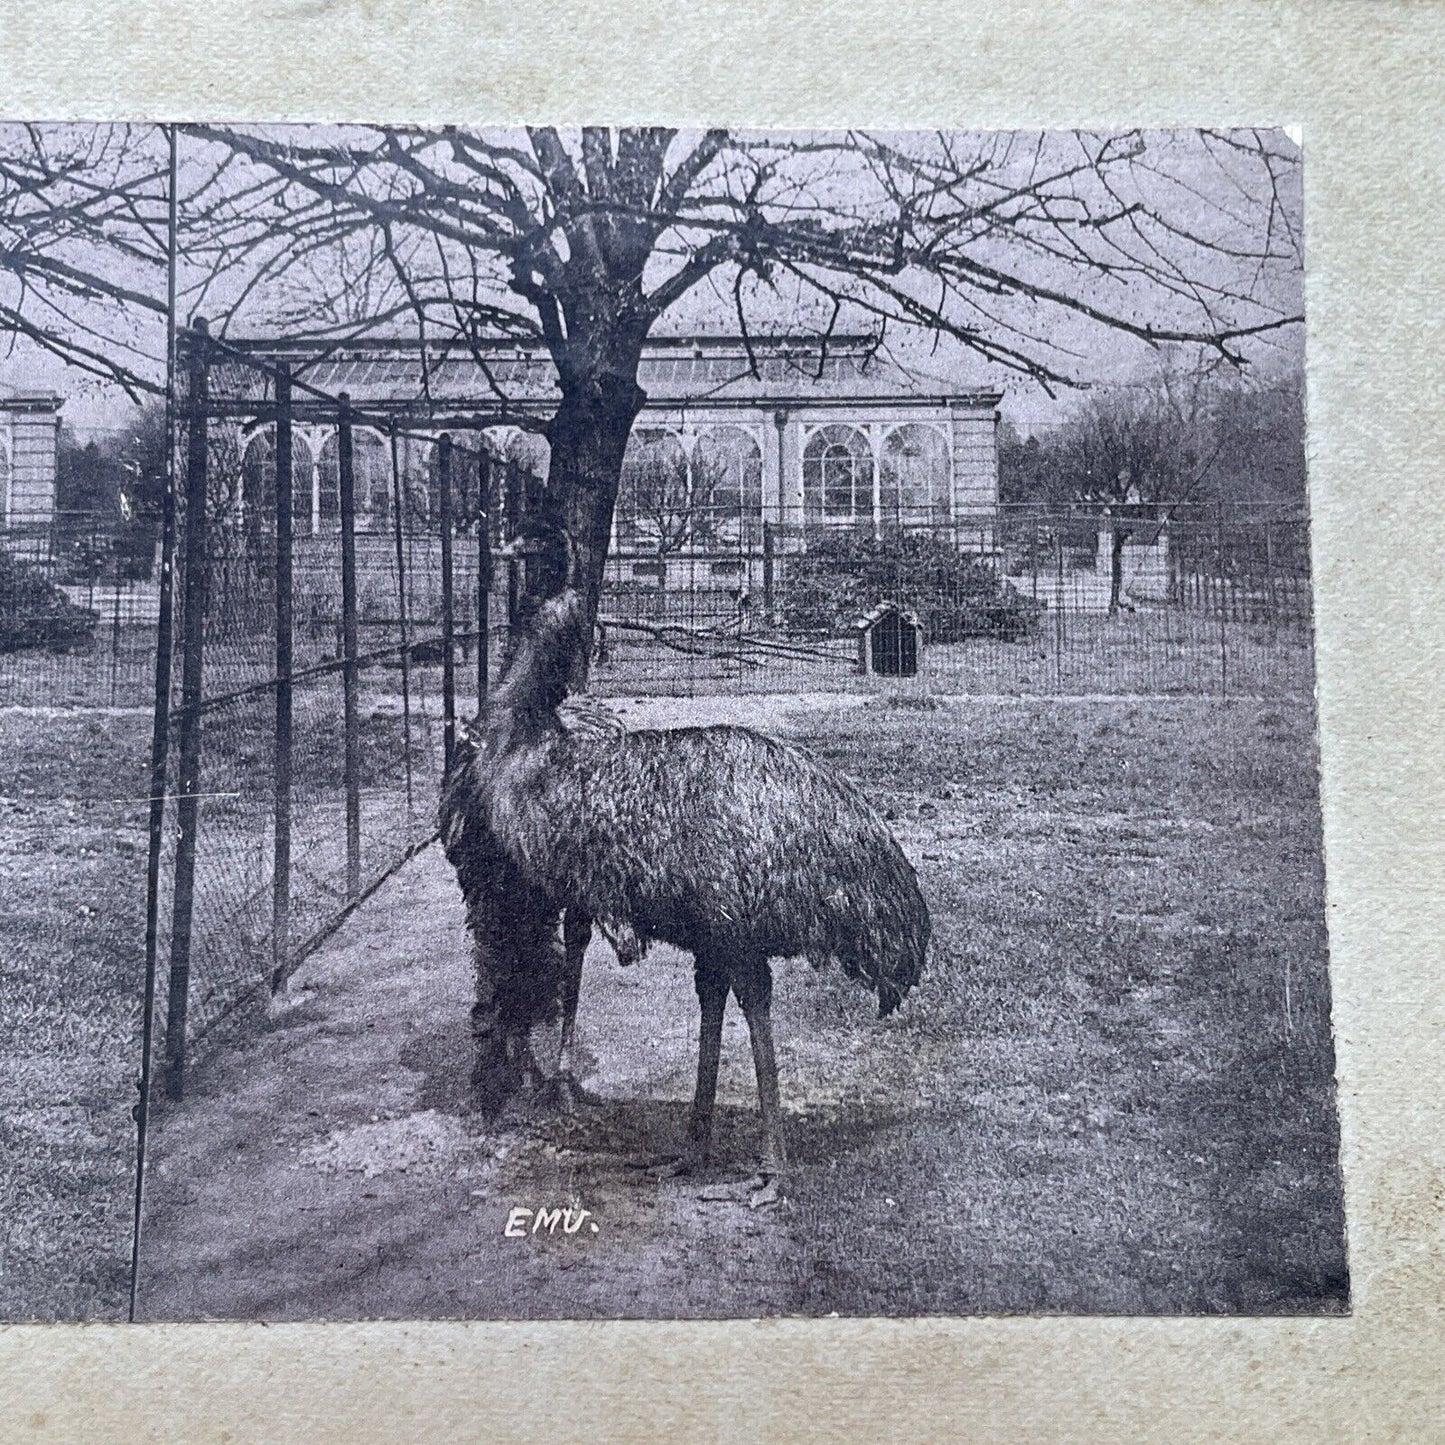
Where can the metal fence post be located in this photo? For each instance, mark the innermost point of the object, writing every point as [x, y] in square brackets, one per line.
[160, 747]
[513, 512]
[484, 576]
[402, 623]
[449, 661]
[193, 643]
[115, 626]
[1271, 595]
[160, 744]
[346, 478]
[1220, 587]
[1059, 609]
[281, 857]
[769, 546]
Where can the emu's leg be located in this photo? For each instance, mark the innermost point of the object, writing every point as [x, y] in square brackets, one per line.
[754, 988]
[712, 995]
[576, 934]
[499, 1059]
[514, 932]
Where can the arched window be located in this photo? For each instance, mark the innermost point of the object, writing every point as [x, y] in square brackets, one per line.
[837, 476]
[523, 477]
[371, 479]
[433, 493]
[258, 484]
[913, 475]
[372, 462]
[654, 501]
[414, 457]
[727, 479]
[328, 484]
[494, 443]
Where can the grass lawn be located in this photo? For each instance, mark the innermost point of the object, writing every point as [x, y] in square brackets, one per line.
[1152, 651]
[1123, 1066]
[72, 929]
[1112, 1091]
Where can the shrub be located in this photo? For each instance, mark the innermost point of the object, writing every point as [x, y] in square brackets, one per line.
[36, 613]
[957, 595]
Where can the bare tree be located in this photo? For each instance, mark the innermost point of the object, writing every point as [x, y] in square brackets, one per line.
[1128, 451]
[1013, 247]
[1181, 435]
[84, 214]
[665, 501]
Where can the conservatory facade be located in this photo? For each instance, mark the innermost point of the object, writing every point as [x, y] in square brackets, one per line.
[725, 444]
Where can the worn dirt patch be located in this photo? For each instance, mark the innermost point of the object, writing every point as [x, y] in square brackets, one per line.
[1111, 1092]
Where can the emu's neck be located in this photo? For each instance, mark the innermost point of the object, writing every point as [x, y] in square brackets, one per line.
[535, 681]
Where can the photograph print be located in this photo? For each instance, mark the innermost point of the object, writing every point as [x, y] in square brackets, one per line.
[644, 723]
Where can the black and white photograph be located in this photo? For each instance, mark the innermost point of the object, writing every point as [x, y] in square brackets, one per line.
[642, 723]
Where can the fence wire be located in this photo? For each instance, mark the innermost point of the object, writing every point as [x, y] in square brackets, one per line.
[339, 615]
[1179, 600]
[307, 746]
[79, 602]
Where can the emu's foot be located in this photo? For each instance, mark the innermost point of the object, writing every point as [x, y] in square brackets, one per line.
[758, 1193]
[625, 943]
[766, 1190]
[563, 1093]
[676, 1166]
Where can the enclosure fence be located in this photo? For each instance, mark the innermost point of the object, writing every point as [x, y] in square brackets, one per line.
[1183, 599]
[321, 664]
[331, 613]
[79, 604]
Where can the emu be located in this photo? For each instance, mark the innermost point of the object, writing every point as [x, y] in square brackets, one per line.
[734, 847]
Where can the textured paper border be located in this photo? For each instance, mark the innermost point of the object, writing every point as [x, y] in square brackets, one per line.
[1363, 81]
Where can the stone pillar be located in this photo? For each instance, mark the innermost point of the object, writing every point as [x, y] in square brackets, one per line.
[790, 468]
[34, 430]
[975, 470]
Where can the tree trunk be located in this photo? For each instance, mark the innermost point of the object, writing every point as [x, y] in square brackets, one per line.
[661, 600]
[588, 437]
[1116, 570]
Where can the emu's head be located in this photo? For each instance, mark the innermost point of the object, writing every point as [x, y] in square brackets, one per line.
[541, 540]
[552, 634]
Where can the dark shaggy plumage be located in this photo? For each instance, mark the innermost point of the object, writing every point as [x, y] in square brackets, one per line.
[720, 840]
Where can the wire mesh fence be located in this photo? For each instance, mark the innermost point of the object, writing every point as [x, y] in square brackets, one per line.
[328, 619]
[79, 602]
[337, 609]
[1144, 600]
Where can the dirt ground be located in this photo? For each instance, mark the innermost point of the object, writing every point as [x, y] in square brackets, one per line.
[1112, 1093]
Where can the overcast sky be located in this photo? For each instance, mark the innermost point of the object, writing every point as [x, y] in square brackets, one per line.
[1201, 188]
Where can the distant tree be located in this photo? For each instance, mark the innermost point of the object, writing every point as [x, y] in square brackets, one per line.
[1186, 435]
[1259, 430]
[1028, 470]
[110, 491]
[660, 506]
[87, 480]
